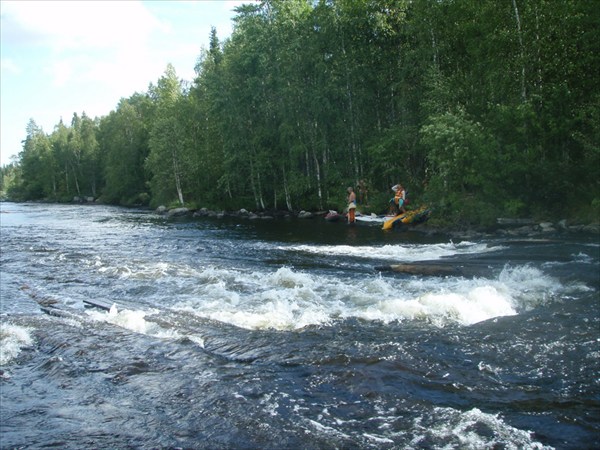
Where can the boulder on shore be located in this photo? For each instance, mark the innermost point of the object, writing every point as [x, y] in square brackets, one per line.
[202, 212]
[514, 222]
[547, 227]
[305, 215]
[177, 212]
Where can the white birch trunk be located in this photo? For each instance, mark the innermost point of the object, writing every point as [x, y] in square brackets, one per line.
[288, 199]
[519, 34]
[253, 185]
[318, 175]
[177, 175]
[76, 181]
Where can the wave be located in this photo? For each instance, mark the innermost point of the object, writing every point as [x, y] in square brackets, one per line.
[287, 299]
[459, 430]
[290, 299]
[406, 252]
[13, 339]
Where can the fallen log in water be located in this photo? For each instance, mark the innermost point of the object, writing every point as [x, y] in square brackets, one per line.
[50, 305]
[98, 304]
[436, 270]
[421, 269]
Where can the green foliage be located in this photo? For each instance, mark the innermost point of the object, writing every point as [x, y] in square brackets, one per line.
[458, 153]
[123, 138]
[514, 207]
[10, 182]
[480, 109]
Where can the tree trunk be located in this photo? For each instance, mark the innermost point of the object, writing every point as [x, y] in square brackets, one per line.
[253, 185]
[307, 162]
[260, 203]
[260, 195]
[522, 51]
[435, 48]
[353, 146]
[288, 199]
[538, 52]
[318, 174]
[177, 175]
[76, 181]
[94, 179]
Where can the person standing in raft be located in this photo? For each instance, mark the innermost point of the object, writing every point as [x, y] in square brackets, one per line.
[351, 205]
[399, 198]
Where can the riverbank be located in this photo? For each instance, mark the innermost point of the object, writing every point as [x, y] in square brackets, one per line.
[508, 227]
[504, 226]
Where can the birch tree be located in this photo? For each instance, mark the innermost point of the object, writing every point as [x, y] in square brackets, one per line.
[166, 140]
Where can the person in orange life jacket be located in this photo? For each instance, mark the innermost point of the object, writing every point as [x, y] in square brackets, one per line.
[399, 198]
[351, 205]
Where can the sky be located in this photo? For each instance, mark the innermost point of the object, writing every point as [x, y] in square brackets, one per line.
[65, 57]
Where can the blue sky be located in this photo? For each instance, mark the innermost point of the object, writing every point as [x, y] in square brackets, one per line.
[62, 57]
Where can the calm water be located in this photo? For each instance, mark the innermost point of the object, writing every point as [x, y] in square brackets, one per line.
[280, 334]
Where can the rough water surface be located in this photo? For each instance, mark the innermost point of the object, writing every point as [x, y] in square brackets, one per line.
[233, 333]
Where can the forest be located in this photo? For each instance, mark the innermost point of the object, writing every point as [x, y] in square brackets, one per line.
[480, 108]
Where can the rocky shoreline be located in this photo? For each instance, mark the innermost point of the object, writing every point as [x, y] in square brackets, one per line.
[533, 229]
[504, 226]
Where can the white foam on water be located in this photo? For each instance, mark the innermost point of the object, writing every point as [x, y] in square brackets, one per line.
[406, 252]
[468, 301]
[198, 340]
[583, 258]
[130, 320]
[139, 271]
[282, 300]
[530, 287]
[378, 439]
[13, 339]
[460, 430]
[287, 299]
[135, 320]
[327, 430]
[474, 304]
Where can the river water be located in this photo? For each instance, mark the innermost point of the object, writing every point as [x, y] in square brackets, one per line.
[276, 334]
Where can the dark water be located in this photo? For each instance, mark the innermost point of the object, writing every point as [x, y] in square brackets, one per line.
[280, 334]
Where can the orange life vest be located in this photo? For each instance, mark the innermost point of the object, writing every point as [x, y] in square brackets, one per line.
[399, 196]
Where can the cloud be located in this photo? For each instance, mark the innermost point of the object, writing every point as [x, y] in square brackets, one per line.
[10, 66]
[59, 57]
[127, 43]
[76, 39]
[61, 72]
[70, 25]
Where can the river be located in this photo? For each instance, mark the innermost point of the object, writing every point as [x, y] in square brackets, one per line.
[280, 334]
